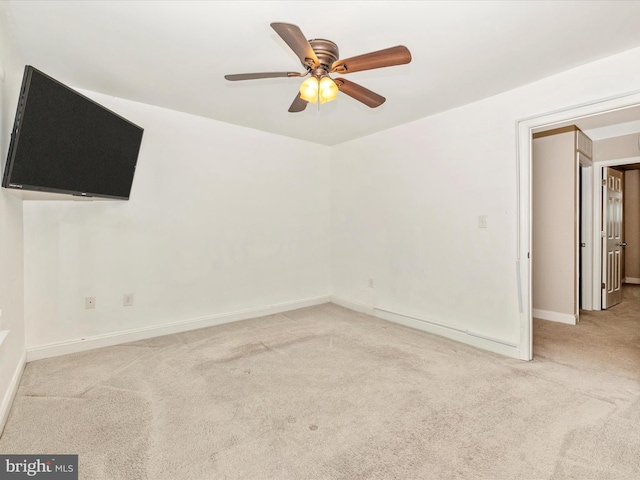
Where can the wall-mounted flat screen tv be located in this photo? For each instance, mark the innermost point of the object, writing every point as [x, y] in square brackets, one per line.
[64, 142]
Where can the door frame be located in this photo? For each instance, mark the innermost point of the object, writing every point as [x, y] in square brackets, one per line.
[524, 132]
[584, 226]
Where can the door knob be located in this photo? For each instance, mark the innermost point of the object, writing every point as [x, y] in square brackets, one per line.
[622, 244]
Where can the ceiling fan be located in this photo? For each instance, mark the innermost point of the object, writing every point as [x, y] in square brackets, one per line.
[320, 58]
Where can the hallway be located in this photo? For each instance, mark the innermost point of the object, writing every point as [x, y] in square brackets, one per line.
[604, 340]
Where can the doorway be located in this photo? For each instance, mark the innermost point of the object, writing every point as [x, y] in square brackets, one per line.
[565, 236]
[605, 111]
[613, 249]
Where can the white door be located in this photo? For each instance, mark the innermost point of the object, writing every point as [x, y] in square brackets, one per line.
[611, 237]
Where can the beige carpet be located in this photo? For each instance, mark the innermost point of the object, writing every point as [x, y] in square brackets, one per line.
[327, 393]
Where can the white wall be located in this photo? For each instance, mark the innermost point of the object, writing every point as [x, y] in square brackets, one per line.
[405, 207]
[405, 213]
[12, 349]
[221, 220]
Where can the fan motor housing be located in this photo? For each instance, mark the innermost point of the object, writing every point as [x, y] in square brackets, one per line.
[326, 51]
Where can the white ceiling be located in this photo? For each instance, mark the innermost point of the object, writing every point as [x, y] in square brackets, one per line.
[175, 54]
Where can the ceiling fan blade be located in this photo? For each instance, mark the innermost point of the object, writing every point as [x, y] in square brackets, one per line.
[382, 58]
[293, 36]
[255, 76]
[364, 95]
[298, 104]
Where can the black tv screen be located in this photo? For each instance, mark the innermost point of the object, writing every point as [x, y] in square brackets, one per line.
[64, 142]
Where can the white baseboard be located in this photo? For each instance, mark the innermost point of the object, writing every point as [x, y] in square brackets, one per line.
[635, 281]
[464, 336]
[116, 338]
[554, 316]
[10, 394]
[356, 306]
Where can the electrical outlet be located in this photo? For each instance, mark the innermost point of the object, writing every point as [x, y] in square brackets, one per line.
[127, 300]
[483, 221]
[89, 303]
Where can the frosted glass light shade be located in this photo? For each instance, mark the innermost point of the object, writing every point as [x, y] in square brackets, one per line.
[328, 90]
[309, 90]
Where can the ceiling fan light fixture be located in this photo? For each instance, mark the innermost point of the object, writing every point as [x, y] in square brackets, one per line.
[313, 89]
[309, 90]
[320, 57]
